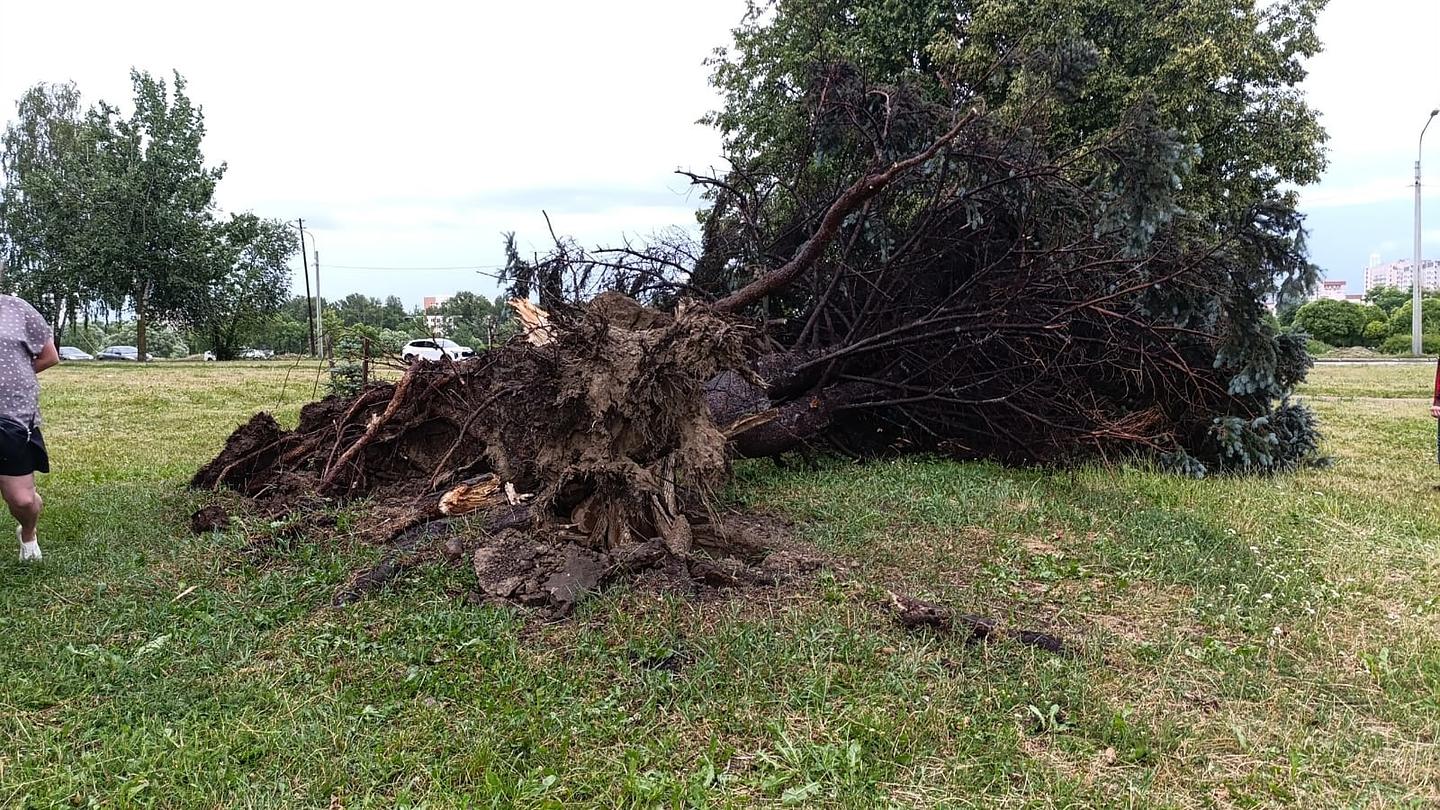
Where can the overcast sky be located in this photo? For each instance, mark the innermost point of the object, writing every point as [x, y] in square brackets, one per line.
[413, 134]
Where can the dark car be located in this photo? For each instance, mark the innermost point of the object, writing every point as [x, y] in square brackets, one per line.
[122, 353]
[72, 353]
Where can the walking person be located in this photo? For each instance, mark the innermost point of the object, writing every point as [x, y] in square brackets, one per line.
[1435, 410]
[27, 347]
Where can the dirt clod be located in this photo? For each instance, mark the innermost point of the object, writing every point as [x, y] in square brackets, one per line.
[209, 519]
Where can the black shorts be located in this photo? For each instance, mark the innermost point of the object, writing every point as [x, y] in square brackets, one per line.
[22, 449]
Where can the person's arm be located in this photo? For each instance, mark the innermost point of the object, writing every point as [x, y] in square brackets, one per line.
[1435, 401]
[38, 340]
[47, 357]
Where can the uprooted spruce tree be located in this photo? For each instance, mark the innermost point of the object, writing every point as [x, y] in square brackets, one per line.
[1038, 233]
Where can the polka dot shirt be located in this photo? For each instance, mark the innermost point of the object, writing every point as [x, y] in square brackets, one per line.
[23, 334]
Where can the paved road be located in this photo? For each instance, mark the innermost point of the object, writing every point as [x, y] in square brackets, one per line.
[1407, 361]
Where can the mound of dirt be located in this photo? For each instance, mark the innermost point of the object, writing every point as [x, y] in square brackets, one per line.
[1353, 353]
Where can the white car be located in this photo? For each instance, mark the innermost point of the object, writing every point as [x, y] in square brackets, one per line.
[434, 349]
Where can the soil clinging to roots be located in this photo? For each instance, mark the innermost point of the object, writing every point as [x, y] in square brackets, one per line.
[581, 454]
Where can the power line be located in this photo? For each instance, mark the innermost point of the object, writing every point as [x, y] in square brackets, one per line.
[466, 267]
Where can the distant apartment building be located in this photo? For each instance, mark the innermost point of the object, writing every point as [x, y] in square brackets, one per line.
[429, 302]
[1401, 274]
[439, 325]
[1339, 291]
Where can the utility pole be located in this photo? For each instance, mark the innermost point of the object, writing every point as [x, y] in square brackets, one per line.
[309, 302]
[1416, 342]
[319, 301]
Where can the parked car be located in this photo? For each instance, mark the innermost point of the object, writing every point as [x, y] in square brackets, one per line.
[72, 353]
[255, 354]
[434, 350]
[122, 353]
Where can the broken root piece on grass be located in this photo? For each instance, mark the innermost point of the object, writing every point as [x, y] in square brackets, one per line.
[212, 518]
[913, 614]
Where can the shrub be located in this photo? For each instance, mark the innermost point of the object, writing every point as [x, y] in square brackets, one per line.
[1400, 344]
[1429, 319]
[353, 348]
[1376, 332]
[1339, 323]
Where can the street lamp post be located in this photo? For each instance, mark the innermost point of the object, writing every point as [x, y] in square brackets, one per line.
[318, 305]
[1416, 345]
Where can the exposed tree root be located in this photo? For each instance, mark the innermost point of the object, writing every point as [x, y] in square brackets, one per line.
[914, 614]
[582, 455]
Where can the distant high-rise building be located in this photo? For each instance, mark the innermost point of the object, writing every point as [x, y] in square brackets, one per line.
[1401, 275]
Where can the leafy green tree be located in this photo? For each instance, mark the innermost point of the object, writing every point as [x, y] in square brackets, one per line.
[467, 307]
[285, 335]
[393, 315]
[45, 166]
[297, 308]
[1388, 299]
[106, 212]
[86, 337]
[1400, 324]
[249, 285]
[1339, 323]
[356, 309]
[152, 222]
[472, 318]
[1185, 122]
[1376, 332]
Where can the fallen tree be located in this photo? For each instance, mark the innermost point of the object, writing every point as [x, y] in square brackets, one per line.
[974, 298]
[911, 270]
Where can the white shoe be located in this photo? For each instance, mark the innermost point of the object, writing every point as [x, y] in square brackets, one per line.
[29, 552]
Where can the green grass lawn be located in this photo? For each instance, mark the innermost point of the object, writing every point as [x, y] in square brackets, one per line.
[1259, 642]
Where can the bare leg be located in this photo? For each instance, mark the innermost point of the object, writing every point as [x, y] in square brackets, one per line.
[24, 502]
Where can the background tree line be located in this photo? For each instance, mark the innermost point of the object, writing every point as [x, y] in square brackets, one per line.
[108, 225]
[1383, 322]
[108, 216]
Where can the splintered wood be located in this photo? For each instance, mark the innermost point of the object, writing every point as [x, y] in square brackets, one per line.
[472, 497]
[534, 320]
